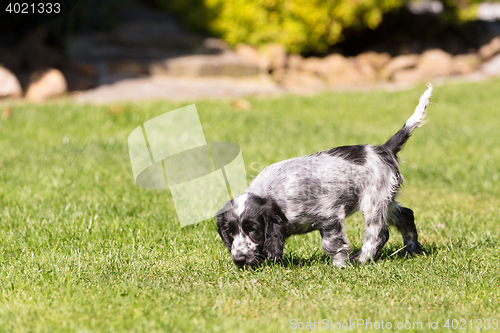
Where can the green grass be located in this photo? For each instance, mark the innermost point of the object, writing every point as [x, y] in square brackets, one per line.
[135, 269]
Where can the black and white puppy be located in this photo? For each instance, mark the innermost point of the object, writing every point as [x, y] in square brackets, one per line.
[317, 192]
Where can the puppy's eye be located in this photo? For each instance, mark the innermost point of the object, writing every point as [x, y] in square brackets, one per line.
[231, 231]
[255, 234]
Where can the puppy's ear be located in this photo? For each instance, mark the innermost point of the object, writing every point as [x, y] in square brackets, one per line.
[276, 232]
[223, 229]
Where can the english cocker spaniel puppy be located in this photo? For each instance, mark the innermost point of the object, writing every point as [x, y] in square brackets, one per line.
[317, 192]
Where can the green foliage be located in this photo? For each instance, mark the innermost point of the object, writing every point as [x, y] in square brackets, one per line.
[300, 25]
[458, 11]
[133, 269]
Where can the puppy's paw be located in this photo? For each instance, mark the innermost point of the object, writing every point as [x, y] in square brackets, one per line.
[411, 248]
[339, 263]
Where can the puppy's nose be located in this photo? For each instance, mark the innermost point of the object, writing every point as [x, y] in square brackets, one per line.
[240, 261]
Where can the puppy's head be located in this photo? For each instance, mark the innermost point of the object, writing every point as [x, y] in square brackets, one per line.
[253, 228]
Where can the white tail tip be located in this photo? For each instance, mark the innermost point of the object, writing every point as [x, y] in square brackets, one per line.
[417, 119]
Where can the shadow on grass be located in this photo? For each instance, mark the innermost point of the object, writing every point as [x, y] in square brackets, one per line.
[291, 260]
[389, 253]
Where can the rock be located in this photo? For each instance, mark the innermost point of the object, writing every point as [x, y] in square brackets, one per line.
[489, 50]
[374, 59]
[177, 88]
[128, 67]
[370, 63]
[273, 56]
[297, 79]
[346, 78]
[215, 45]
[399, 63]
[226, 64]
[46, 84]
[248, 53]
[435, 63]
[333, 64]
[465, 63]
[338, 70]
[366, 70]
[409, 75]
[312, 65]
[492, 67]
[9, 84]
[279, 74]
[294, 61]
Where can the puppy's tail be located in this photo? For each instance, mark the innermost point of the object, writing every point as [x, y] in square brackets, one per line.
[396, 142]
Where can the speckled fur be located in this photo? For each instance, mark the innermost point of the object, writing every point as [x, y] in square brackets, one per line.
[317, 192]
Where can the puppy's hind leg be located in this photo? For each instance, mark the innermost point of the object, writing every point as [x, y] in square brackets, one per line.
[334, 242]
[402, 218]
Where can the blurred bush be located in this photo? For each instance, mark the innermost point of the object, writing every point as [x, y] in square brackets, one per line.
[457, 11]
[300, 25]
[303, 26]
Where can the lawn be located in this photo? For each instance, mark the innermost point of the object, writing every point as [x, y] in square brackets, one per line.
[83, 249]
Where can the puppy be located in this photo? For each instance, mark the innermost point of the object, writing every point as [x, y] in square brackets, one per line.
[317, 192]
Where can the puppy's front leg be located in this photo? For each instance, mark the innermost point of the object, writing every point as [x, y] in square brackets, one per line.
[334, 242]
